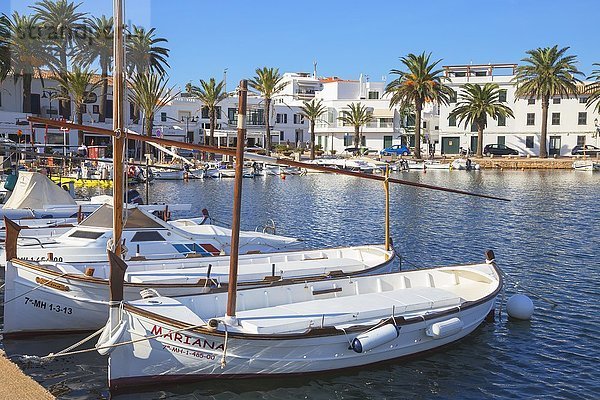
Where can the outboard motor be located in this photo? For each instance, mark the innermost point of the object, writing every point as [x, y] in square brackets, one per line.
[134, 197]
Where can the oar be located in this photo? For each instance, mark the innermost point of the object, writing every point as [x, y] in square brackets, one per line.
[250, 156]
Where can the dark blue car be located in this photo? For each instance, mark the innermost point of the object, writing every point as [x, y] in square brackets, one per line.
[398, 149]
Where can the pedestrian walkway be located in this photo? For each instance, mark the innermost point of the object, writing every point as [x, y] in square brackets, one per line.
[16, 385]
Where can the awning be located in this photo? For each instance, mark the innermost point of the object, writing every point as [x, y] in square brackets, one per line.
[383, 113]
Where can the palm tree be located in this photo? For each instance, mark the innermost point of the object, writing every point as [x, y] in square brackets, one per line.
[210, 94]
[358, 116]
[149, 92]
[594, 89]
[548, 72]
[313, 110]
[4, 48]
[61, 21]
[143, 52]
[79, 84]
[98, 46]
[420, 84]
[26, 51]
[476, 104]
[268, 83]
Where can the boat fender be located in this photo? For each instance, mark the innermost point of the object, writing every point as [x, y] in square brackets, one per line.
[444, 329]
[109, 338]
[374, 338]
[149, 293]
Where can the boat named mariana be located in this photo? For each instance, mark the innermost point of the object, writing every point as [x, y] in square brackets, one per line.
[182, 338]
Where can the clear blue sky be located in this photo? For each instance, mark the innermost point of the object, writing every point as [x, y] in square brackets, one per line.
[347, 38]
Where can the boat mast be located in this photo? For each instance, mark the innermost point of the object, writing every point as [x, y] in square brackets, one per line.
[237, 200]
[118, 139]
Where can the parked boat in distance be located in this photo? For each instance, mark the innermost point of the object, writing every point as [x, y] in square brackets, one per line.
[586, 165]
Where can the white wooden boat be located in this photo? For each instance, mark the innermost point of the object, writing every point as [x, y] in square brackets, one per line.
[80, 300]
[464, 164]
[296, 329]
[430, 164]
[146, 235]
[586, 165]
[167, 174]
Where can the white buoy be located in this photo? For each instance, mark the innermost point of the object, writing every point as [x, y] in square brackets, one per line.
[519, 306]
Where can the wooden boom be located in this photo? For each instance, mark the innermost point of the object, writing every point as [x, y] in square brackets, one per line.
[252, 156]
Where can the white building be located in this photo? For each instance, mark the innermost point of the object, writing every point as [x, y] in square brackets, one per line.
[183, 119]
[570, 123]
[388, 127]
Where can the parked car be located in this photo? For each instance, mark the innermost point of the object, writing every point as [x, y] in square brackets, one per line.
[398, 149]
[499, 150]
[586, 149]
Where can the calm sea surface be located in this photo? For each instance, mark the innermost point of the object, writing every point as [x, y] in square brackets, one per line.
[547, 239]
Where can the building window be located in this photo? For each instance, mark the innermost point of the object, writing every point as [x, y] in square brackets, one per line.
[95, 109]
[473, 127]
[386, 122]
[373, 95]
[282, 118]
[232, 115]
[582, 118]
[502, 140]
[163, 117]
[452, 120]
[555, 118]
[298, 118]
[437, 128]
[501, 120]
[530, 101]
[530, 119]
[556, 100]
[502, 95]
[84, 108]
[452, 97]
[0, 99]
[529, 142]
[581, 140]
[281, 136]
[204, 111]
[348, 139]
[583, 99]
[424, 124]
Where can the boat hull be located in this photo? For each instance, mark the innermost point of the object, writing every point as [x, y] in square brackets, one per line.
[186, 356]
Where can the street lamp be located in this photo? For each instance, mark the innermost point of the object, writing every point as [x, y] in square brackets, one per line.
[597, 126]
[187, 119]
[50, 95]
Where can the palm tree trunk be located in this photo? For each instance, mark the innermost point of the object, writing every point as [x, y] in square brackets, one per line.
[103, 94]
[26, 93]
[79, 118]
[312, 139]
[543, 138]
[357, 136]
[418, 108]
[211, 139]
[64, 93]
[479, 140]
[267, 127]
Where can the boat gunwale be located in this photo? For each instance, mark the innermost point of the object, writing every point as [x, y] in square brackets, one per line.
[324, 331]
[222, 288]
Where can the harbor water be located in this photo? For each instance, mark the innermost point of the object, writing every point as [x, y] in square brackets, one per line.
[547, 239]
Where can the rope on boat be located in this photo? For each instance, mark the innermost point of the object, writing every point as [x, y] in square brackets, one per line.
[132, 341]
[35, 288]
[82, 341]
[517, 284]
[223, 361]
